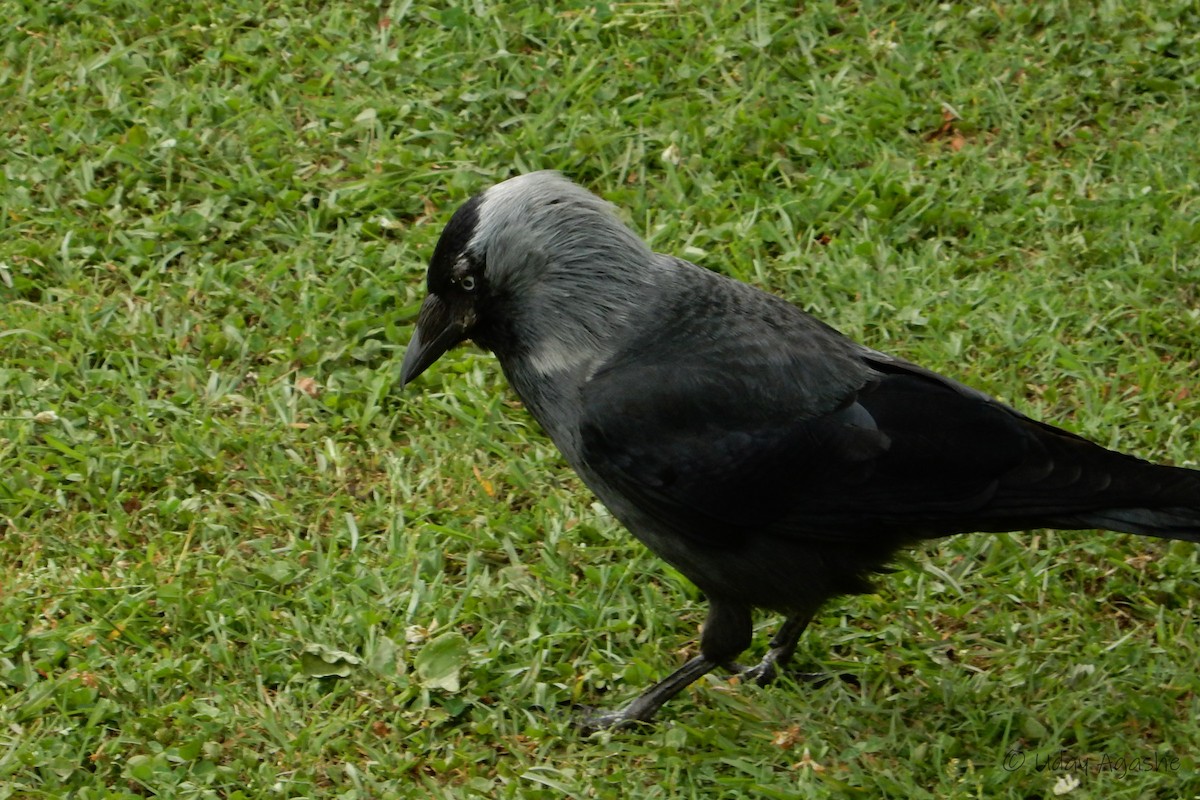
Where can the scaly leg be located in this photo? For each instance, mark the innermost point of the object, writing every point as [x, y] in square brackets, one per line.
[727, 632]
[647, 704]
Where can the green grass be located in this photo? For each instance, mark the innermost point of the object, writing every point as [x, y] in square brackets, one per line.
[214, 223]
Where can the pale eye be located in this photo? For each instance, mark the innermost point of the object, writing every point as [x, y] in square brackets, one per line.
[467, 283]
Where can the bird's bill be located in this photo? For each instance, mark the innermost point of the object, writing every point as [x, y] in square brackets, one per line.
[438, 329]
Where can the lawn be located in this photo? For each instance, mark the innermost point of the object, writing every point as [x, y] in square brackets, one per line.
[238, 561]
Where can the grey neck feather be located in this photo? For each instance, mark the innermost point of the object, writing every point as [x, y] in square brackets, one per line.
[574, 274]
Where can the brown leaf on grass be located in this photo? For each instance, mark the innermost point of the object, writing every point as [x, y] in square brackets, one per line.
[488, 488]
[429, 212]
[945, 129]
[948, 130]
[308, 386]
[786, 739]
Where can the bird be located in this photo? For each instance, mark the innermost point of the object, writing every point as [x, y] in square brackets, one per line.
[773, 461]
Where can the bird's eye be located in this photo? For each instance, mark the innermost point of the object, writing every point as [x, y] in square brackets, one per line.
[467, 283]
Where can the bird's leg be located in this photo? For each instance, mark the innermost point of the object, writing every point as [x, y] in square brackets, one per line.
[649, 702]
[727, 632]
[783, 645]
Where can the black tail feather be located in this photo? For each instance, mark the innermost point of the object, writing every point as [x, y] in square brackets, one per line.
[1165, 523]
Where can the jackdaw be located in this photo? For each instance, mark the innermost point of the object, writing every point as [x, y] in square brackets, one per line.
[770, 459]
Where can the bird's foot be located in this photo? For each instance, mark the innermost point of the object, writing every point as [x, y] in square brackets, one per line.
[763, 673]
[766, 671]
[646, 705]
[593, 720]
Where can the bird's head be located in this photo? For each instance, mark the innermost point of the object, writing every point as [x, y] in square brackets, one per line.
[531, 265]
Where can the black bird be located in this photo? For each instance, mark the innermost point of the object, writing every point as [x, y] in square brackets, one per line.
[773, 461]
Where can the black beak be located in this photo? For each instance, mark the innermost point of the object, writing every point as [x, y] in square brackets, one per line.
[438, 329]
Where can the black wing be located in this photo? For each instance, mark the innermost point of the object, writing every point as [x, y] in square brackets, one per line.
[719, 449]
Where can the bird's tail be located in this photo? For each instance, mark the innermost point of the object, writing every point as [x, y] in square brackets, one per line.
[1165, 523]
[1151, 500]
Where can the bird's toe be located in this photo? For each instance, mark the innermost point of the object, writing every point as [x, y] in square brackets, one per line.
[590, 720]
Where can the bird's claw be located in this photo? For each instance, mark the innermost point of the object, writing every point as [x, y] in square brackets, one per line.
[592, 720]
[763, 673]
